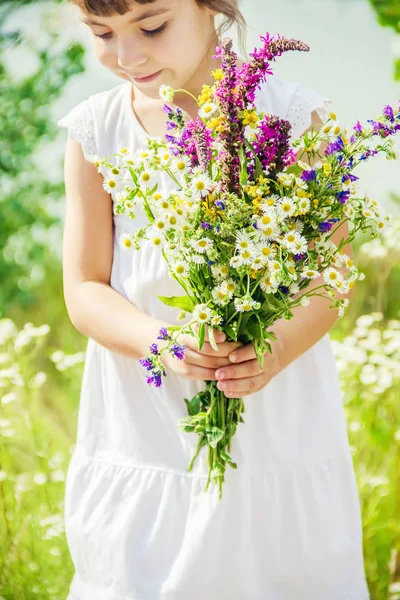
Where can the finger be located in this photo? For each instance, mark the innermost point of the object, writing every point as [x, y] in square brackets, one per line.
[210, 362]
[250, 368]
[238, 386]
[243, 354]
[197, 373]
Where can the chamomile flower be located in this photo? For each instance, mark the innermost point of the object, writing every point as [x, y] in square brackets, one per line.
[309, 274]
[265, 249]
[146, 179]
[216, 320]
[181, 164]
[166, 93]
[125, 241]
[220, 296]
[164, 157]
[342, 286]
[198, 259]
[156, 240]
[180, 269]
[201, 185]
[229, 286]
[160, 225]
[246, 256]
[269, 232]
[244, 241]
[202, 245]
[268, 284]
[268, 219]
[286, 208]
[110, 184]
[332, 276]
[202, 314]
[290, 240]
[304, 206]
[304, 301]
[246, 303]
[208, 110]
[220, 271]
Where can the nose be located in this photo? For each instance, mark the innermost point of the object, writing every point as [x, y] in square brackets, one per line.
[130, 55]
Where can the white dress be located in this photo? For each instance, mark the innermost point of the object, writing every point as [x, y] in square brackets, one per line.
[138, 525]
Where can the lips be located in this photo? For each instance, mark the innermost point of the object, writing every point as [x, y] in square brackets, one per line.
[144, 78]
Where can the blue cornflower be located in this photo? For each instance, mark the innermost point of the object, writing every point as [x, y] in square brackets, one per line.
[284, 289]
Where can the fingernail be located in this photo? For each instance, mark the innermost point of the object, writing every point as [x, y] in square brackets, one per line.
[220, 375]
[233, 357]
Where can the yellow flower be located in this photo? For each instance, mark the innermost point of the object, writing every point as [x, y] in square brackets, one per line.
[218, 74]
[332, 116]
[327, 168]
[250, 118]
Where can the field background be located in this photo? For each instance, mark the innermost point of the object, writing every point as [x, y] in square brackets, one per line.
[45, 69]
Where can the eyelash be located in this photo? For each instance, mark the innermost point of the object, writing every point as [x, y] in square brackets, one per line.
[147, 32]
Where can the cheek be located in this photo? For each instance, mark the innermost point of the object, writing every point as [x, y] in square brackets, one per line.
[103, 53]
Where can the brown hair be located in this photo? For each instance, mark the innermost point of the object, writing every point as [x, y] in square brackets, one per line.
[228, 8]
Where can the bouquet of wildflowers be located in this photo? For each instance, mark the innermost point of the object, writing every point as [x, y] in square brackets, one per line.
[249, 224]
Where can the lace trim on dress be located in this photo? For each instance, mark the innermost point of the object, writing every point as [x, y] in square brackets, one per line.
[304, 101]
[80, 124]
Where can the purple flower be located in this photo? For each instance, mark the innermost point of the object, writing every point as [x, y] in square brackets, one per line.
[154, 349]
[325, 226]
[154, 379]
[335, 146]
[170, 125]
[164, 335]
[309, 175]
[178, 350]
[388, 112]
[298, 257]
[219, 204]
[358, 127]
[284, 289]
[206, 225]
[146, 363]
[343, 197]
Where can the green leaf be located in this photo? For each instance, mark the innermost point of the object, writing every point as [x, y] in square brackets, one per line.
[193, 405]
[182, 302]
[244, 176]
[254, 329]
[231, 332]
[214, 435]
[259, 169]
[202, 335]
[212, 339]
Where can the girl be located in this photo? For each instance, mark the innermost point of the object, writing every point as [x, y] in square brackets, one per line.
[138, 525]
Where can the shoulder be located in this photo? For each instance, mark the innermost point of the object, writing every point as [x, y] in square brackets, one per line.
[293, 101]
[87, 120]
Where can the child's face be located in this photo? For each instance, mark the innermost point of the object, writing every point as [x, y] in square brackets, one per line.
[169, 38]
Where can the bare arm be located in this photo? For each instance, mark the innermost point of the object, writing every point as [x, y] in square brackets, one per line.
[94, 307]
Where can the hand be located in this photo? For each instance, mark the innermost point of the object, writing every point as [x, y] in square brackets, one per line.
[245, 376]
[201, 365]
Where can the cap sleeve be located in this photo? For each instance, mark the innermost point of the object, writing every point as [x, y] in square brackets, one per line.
[81, 128]
[302, 103]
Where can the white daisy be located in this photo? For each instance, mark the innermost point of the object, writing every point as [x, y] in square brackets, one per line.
[269, 232]
[246, 256]
[246, 303]
[304, 301]
[125, 241]
[208, 110]
[265, 249]
[309, 274]
[244, 241]
[332, 276]
[157, 240]
[181, 164]
[268, 284]
[342, 286]
[164, 157]
[180, 269]
[286, 208]
[201, 185]
[290, 240]
[202, 313]
[146, 179]
[268, 219]
[220, 296]
[110, 184]
[197, 259]
[166, 93]
[220, 271]
[202, 245]
[216, 320]
[229, 287]
[303, 205]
